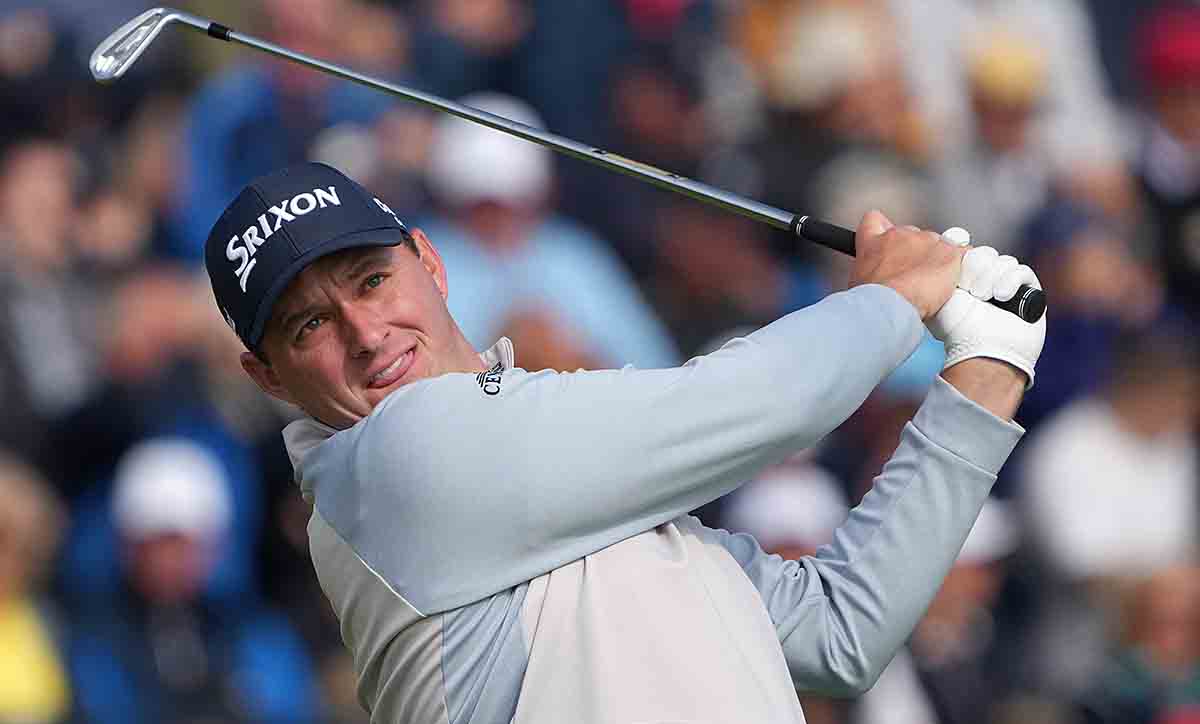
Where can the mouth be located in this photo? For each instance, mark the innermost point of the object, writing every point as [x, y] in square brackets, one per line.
[394, 372]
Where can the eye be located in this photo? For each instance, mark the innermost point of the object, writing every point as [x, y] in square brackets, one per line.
[308, 326]
[375, 280]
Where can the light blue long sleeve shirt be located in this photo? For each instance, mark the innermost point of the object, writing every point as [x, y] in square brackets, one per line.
[514, 546]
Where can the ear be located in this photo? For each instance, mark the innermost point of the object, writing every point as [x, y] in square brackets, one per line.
[265, 376]
[432, 261]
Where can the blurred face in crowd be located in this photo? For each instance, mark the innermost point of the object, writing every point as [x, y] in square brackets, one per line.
[969, 585]
[1164, 623]
[357, 325]
[1178, 110]
[169, 568]
[1095, 274]
[29, 528]
[37, 202]
[1004, 127]
[306, 26]
[1168, 403]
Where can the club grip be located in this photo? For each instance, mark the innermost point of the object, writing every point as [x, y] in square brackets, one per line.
[1029, 303]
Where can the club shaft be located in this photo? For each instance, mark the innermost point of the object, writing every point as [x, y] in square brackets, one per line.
[750, 208]
[1029, 303]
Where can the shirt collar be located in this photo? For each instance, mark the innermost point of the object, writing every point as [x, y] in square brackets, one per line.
[301, 436]
[500, 353]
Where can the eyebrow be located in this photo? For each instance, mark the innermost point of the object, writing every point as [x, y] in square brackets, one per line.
[291, 320]
[373, 258]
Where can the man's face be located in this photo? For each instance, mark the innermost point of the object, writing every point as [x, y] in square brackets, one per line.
[355, 326]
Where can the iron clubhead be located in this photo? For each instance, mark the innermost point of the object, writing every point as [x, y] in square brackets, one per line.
[116, 53]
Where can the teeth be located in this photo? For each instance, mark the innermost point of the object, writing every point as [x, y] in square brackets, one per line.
[390, 368]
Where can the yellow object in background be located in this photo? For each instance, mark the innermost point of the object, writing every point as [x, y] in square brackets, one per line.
[33, 684]
[1008, 69]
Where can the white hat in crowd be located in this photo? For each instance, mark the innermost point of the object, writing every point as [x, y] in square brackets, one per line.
[469, 163]
[822, 51]
[793, 504]
[171, 485]
[995, 535]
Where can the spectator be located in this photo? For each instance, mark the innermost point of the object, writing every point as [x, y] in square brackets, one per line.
[42, 79]
[832, 84]
[47, 361]
[658, 119]
[715, 271]
[1103, 286]
[1169, 166]
[948, 673]
[33, 682]
[1140, 510]
[509, 256]
[162, 652]
[990, 185]
[1078, 128]
[1153, 676]
[128, 216]
[258, 117]
[1130, 448]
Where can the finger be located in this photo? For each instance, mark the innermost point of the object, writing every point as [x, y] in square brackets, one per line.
[873, 224]
[1006, 287]
[984, 285]
[957, 236]
[974, 264]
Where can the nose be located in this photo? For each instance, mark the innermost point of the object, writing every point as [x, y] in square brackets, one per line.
[365, 330]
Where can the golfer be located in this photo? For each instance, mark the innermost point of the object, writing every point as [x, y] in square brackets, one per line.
[503, 545]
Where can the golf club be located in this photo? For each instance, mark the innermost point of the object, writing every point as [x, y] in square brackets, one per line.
[120, 50]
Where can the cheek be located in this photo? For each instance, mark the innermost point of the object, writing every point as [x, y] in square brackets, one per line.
[315, 372]
[418, 305]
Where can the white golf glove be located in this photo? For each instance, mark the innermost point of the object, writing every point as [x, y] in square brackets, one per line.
[970, 327]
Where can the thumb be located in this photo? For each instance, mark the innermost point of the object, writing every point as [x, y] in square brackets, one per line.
[873, 224]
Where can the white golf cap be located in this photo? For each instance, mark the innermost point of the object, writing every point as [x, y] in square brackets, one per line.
[996, 534]
[170, 485]
[469, 163]
[788, 505]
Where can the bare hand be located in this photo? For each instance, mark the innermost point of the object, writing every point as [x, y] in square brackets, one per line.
[918, 264]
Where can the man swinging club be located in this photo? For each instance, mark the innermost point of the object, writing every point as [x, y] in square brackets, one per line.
[504, 545]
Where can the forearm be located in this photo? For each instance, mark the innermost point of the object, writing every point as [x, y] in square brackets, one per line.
[688, 435]
[993, 385]
[863, 594]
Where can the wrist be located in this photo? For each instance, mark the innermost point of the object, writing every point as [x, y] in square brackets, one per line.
[994, 385]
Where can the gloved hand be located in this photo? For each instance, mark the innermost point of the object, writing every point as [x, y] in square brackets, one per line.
[970, 327]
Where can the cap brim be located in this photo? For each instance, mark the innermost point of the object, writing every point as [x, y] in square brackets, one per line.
[383, 236]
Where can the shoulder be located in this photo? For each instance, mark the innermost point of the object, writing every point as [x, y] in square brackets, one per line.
[429, 424]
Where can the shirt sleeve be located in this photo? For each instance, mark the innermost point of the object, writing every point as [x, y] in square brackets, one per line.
[490, 484]
[842, 614]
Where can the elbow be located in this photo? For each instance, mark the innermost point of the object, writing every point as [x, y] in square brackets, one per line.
[851, 679]
[862, 683]
[844, 668]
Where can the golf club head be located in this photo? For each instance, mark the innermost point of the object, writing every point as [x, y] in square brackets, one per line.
[116, 53]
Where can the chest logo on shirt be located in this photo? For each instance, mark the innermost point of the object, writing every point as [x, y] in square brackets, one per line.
[489, 381]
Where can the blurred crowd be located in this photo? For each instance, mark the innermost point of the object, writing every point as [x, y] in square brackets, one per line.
[152, 544]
